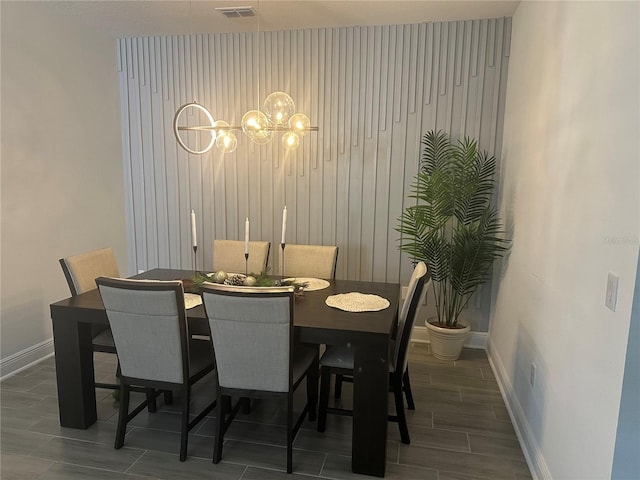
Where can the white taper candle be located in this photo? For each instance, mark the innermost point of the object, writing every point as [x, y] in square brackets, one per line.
[194, 236]
[284, 224]
[246, 236]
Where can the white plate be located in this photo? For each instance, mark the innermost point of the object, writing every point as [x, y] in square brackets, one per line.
[192, 300]
[312, 283]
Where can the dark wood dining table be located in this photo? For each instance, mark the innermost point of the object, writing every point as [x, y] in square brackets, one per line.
[368, 333]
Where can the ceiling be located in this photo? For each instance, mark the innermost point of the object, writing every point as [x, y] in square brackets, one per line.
[123, 18]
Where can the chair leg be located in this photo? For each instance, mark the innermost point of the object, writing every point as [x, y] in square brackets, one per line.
[122, 416]
[337, 392]
[325, 383]
[246, 406]
[168, 397]
[151, 398]
[312, 388]
[220, 413]
[402, 419]
[290, 435]
[407, 390]
[184, 427]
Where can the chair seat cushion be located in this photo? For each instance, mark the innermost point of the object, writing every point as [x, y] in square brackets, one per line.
[200, 356]
[341, 357]
[303, 357]
[104, 339]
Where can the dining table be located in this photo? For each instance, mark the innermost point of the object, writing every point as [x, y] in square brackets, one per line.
[369, 333]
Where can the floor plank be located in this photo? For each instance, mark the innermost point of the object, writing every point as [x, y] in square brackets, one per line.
[460, 430]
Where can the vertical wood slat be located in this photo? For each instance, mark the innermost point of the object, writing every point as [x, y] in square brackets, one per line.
[413, 75]
[429, 62]
[400, 73]
[466, 76]
[443, 67]
[373, 97]
[388, 35]
[481, 62]
[475, 45]
[372, 91]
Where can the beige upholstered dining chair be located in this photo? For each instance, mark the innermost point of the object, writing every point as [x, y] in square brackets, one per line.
[228, 255]
[81, 272]
[156, 352]
[256, 357]
[339, 360]
[315, 261]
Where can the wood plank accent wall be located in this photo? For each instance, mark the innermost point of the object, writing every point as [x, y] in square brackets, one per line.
[372, 91]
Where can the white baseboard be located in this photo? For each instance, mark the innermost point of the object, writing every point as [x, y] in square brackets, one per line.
[535, 459]
[26, 358]
[475, 340]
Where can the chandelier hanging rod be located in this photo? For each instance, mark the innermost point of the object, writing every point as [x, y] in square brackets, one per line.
[230, 128]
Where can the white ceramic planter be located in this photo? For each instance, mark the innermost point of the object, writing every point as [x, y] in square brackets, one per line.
[446, 343]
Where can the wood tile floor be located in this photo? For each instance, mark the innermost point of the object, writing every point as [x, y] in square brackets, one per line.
[460, 430]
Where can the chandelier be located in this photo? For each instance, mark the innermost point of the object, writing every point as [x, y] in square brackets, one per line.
[278, 115]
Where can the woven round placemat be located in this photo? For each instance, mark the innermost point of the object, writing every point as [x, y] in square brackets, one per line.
[357, 302]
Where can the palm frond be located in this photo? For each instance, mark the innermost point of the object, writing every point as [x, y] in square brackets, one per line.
[436, 151]
[452, 226]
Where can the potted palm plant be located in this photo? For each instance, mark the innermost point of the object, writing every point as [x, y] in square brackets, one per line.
[454, 228]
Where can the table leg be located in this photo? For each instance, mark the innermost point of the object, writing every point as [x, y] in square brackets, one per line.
[74, 373]
[370, 408]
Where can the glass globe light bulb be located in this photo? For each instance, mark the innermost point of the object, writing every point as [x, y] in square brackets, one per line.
[299, 123]
[253, 121]
[261, 136]
[279, 107]
[219, 128]
[290, 140]
[254, 125]
[226, 142]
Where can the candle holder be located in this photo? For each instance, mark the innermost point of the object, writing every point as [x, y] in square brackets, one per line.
[246, 264]
[282, 245]
[195, 259]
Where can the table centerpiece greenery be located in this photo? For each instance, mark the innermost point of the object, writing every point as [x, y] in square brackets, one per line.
[236, 279]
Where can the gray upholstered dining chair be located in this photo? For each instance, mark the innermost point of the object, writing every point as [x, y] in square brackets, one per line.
[339, 360]
[228, 255]
[81, 272]
[315, 261]
[150, 331]
[256, 356]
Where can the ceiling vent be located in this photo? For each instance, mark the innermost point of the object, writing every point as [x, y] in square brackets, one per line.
[236, 12]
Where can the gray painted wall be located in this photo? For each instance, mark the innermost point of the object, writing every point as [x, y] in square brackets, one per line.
[62, 184]
[372, 91]
[570, 196]
[626, 457]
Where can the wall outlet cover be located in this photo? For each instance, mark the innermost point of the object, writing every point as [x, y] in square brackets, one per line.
[611, 296]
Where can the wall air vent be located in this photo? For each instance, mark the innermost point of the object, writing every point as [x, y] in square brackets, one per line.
[236, 12]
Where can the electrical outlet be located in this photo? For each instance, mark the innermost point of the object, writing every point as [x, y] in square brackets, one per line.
[611, 296]
[532, 374]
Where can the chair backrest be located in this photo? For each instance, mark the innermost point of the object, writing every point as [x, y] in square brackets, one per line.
[315, 261]
[82, 270]
[252, 334]
[408, 314]
[148, 322]
[228, 255]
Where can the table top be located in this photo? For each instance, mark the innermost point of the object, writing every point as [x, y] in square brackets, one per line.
[310, 309]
